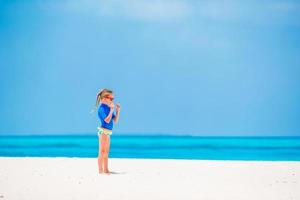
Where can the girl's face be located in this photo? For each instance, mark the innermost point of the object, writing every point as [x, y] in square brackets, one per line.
[108, 98]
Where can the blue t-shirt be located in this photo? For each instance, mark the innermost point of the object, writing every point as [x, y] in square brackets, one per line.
[103, 112]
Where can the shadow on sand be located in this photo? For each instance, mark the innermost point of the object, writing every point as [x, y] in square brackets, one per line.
[112, 172]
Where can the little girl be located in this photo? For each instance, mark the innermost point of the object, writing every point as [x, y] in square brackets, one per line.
[107, 118]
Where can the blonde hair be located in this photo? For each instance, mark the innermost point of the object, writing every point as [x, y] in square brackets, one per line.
[102, 93]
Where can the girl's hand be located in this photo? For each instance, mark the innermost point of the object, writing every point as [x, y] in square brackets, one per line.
[112, 105]
[118, 107]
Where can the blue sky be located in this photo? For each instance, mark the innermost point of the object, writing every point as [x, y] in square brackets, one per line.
[177, 67]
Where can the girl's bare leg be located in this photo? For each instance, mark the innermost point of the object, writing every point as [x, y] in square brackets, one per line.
[107, 147]
[101, 152]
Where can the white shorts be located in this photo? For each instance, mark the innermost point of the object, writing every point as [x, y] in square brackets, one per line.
[104, 131]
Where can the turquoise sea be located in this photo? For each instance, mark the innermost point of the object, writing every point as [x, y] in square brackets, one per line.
[155, 146]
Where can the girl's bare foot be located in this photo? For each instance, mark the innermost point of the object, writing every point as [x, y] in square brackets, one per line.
[100, 171]
[107, 172]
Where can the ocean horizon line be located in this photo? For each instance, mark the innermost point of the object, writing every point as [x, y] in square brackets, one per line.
[147, 135]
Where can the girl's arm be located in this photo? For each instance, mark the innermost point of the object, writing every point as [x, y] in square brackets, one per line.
[109, 116]
[116, 119]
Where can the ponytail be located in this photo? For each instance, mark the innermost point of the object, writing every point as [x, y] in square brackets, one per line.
[99, 97]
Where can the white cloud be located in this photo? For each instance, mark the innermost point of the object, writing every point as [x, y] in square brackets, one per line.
[146, 10]
[219, 10]
[258, 12]
[255, 12]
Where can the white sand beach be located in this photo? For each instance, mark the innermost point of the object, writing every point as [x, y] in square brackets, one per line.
[33, 178]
